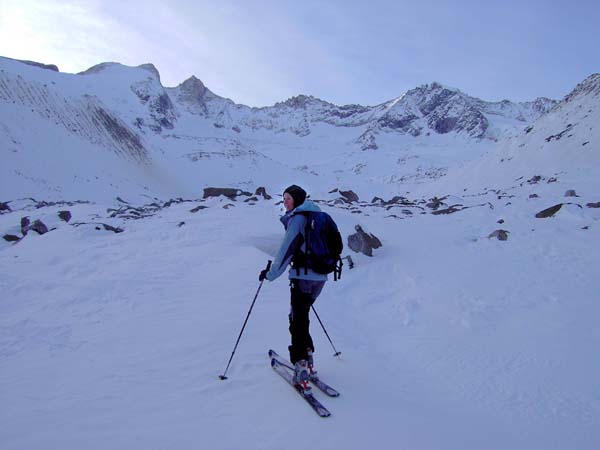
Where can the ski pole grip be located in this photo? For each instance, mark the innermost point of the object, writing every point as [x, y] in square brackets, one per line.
[269, 265]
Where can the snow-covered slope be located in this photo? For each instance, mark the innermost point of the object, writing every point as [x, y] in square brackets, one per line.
[449, 340]
[115, 326]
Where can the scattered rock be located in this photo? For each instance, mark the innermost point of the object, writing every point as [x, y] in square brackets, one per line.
[350, 196]
[362, 242]
[251, 199]
[39, 227]
[552, 180]
[450, 210]
[111, 228]
[534, 196]
[25, 222]
[434, 203]
[11, 238]
[99, 228]
[64, 215]
[198, 208]
[4, 207]
[535, 179]
[230, 193]
[180, 224]
[501, 221]
[571, 193]
[174, 201]
[228, 205]
[501, 235]
[593, 205]
[262, 191]
[44, 204]
[549, 212]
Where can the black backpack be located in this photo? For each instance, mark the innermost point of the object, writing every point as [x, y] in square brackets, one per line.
[323, 243]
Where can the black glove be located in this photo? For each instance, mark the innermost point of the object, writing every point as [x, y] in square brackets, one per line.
[263, 275]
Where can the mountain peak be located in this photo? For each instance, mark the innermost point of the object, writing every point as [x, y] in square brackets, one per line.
[150, 68]
[300, 101]
[590, 86]
[98, 68]
[193, 88]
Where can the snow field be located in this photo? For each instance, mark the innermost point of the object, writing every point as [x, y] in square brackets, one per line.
[448, 339]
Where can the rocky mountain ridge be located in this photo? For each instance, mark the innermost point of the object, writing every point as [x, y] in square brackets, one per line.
[428, 108]
[188, 136]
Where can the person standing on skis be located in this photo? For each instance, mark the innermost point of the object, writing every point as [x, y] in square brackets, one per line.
[305, 284]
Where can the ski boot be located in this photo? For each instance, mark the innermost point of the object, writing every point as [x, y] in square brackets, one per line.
[301, 375]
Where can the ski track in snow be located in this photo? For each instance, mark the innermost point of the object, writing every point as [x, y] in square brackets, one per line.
[449, 340]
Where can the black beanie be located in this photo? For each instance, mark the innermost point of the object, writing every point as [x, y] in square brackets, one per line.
[297, 193]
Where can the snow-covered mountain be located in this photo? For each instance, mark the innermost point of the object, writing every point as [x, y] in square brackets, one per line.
[473, 326]
[116, 130]
[564, 143]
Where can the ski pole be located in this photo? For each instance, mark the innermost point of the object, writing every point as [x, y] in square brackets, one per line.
[223, 377]
[326, 334]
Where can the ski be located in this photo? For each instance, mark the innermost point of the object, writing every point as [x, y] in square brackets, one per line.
[310, 399]
[331, 392]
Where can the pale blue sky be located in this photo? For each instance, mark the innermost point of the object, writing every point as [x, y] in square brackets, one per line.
[261, 52]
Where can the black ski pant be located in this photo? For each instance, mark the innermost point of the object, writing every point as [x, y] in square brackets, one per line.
[303, 295]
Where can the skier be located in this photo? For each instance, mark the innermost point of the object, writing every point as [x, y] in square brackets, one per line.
[305, 284]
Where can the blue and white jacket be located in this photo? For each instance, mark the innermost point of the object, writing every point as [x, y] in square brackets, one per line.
[295, 225]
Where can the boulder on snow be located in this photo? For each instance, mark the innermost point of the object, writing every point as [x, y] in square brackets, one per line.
[435, 203]
[362, 242]
[65, 215]
[549, 212]
[230, 193]
[262, 191]
[501, 235]
[174, 201]
[111, 228]
[593, 205]
[25, 222]
[4, 207]
[11, 238]
[571, 193]
[349, 195]
[39, 227]
[449, 210]
[198, 208]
